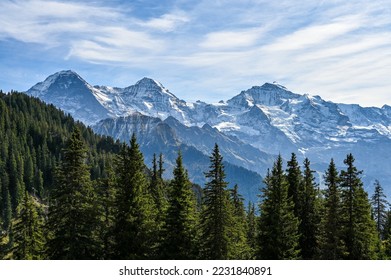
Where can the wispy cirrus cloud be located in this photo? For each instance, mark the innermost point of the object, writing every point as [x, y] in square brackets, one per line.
[167, 22]
[212, 49]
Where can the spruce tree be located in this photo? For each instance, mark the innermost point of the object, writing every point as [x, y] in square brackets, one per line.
[161, 168]
[134, 214]
[6, 208]
[294, 178]
[278, 236]
[157, 189]
[379, 208]
[72, 217]
[239, 244]
[332, 246]
[387, 236]
[107, 194]
[179, 231]
[27, 228]
[360, 230]
[309, 215]
[216, 217]
[251, 228]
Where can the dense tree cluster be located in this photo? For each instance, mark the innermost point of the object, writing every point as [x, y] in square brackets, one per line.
[66, 193]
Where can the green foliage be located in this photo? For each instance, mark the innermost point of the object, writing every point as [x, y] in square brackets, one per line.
[333, 245]
[277, 226]
[134, 214]
[251, 228]
[157, 190]
[179, 231]
[379, 208]
[239, 229]
[309, 215]
[49, 161]
[294, 178]
[107, 194]
[72, 216]
[216, 215]
[359, 228]
[387, 235]
[27, 229]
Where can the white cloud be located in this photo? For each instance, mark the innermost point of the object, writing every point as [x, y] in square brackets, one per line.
[313, 35]
[224, 40]
[331, 48]
[167, 22]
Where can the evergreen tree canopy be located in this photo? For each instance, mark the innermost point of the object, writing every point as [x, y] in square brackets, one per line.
[309, 215]
[333, 246]
[294, 178]
[134, 214]
[216, 217]
[72, 210]
[278, 237]
[181, 218]
[379, 208]
[27, 229]
[359, 228]
[239, 229]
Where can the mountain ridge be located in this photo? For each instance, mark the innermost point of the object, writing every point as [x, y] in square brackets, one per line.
[269, 119]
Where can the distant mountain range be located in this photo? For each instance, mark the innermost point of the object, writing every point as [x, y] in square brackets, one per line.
[250, 128]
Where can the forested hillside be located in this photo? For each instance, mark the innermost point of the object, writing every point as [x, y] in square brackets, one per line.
[67, 193]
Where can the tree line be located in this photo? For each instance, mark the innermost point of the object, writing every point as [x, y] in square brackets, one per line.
[94, 198]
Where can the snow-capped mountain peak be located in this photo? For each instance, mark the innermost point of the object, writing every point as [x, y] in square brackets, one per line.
[62, 79]
[147, 87]
[269, 118]
[268, 94]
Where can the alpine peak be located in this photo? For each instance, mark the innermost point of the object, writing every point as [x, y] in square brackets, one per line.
[148, 81]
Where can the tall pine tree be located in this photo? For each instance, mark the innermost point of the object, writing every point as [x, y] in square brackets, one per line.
[251, 228]
[294, 178]
[309, 215]
[216, 217]
[239, 245]
[27, 229]
[134, 214]
[278, 236]
[379, 208]
[332, 243]
[72, 217]
[359, 228]
[180, 221]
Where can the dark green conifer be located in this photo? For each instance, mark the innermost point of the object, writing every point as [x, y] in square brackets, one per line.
[157, 189]
[309, 215]
[333, 246]
[278, 236]
[251, 228]
[179, 231]
[216, 215]
[387, 236]
[359, 228]
[72, 217]
[107, 194]
[379, 208]
[134, 214]
[27, 229]
[294, 178]
[240, 249]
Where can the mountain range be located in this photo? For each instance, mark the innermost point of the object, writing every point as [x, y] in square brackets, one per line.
[251, 128]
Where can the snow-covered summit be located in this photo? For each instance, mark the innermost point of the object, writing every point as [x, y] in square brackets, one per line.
[62, 79]
[268, 118]
[267, 94]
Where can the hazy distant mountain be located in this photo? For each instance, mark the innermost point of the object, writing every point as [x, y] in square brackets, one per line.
[251, 128]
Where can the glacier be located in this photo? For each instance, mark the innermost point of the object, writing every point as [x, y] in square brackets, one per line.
[251, 128]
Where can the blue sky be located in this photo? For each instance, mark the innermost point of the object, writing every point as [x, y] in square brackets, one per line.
[208, 50]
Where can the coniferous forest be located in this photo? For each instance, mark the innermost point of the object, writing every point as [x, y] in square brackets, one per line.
[67, 193]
